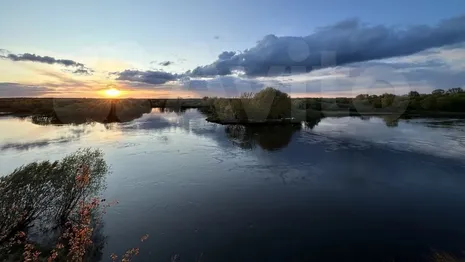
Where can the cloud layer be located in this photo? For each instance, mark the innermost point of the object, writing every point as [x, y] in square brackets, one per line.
[339, 60]
[148, 77]
[27, 57]
[346, 42]
[20, 90]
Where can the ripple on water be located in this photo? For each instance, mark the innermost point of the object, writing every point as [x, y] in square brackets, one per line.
[444, 138]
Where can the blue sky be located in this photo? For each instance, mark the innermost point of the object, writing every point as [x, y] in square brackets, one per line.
[138, 35]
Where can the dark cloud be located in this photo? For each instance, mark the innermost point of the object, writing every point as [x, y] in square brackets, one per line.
[216, 37]
[226, 55]
[83, 71]
[166, 63]
[43, 59]
[229, 86]
[148, 77]
[196, 85]
[80, 68]
[346, 42]
[20, 90]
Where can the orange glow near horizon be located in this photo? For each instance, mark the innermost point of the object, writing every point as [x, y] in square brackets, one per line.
[112, 92]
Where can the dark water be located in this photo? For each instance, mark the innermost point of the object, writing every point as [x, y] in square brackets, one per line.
[349, 189]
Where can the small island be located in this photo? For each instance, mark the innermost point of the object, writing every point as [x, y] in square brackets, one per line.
[270, 106]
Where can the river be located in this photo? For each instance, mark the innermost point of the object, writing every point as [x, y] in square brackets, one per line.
[342, 189]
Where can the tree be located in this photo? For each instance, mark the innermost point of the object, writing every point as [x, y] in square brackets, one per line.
[456, 90]
[375, 101]
[362, 96]
[429, 103]
[413, 94]
[387, 100]
[438, 92]
[280, 102]
[45, 193]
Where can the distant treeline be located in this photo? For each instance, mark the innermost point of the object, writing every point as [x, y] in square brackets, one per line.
[45, 111]
[452, 100]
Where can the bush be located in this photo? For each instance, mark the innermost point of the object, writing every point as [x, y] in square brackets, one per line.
[43, 197]
[269, 103]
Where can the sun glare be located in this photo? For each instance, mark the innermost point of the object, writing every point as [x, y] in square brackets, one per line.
[112, 92]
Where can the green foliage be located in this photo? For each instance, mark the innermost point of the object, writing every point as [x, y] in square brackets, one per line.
[44, 193]
[438, 92]
[413, 94]
[269, 103]
[438, 101]
[456, 90]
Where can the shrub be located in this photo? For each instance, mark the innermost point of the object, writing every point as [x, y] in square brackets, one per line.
[269, 103]
[52, 199]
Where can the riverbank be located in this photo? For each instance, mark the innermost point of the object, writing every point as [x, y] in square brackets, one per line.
[49, 106]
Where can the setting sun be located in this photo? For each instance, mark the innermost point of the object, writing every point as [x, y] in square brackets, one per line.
[112, 92]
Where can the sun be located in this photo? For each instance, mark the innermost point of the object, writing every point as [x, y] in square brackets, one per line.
[112, 92]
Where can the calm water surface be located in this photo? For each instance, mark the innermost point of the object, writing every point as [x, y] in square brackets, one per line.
[348, 189]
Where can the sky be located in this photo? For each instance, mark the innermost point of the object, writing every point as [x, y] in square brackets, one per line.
[169, 48]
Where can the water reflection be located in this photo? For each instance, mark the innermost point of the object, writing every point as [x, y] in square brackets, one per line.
[391, 121]
[135, 116]
[267, 137]
[339, 189]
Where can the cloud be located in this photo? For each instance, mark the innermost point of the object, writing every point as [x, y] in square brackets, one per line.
[83, 71]
[229, 86]
[148, 77]
[345, 59]
[226, 55]
[64, 81]
[166, 63]
[80, 68]
[43, 59]
[349, 41]
[20, 90]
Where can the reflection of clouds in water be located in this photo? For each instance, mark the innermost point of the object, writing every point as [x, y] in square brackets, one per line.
[75, 134]
[25, 146]
[412, 135]
[331, 143]
[36, 144]
[435, 137]
[188, 121]
[149, 122]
